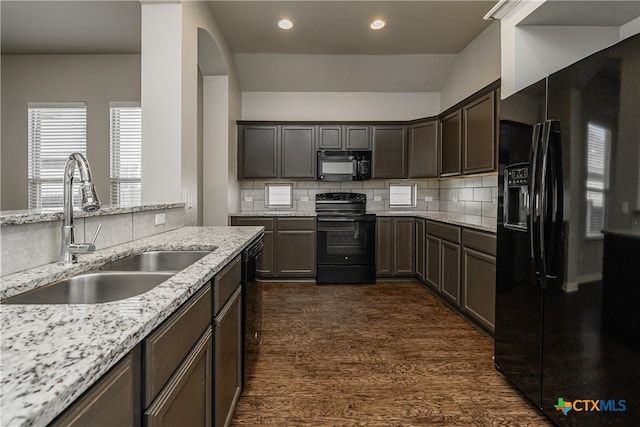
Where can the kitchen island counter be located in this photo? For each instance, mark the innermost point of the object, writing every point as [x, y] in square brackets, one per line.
[51, 354]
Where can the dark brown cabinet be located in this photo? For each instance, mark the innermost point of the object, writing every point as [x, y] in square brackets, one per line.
[187, 397]
[298, 152]
[274, 151]
[479, 277]
[119, 388]
[443, 259]
[389, 152]
[421, 250]
[395, 246]
[450, 144]
[344, 137]
[258, 150]
[296, 247]
[289, 246]
[479, 135]
[177, 387]
[423, 150]
[265, 266]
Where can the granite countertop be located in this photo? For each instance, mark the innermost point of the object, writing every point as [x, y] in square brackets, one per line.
[28, 216]
[470, 221]
[51, 354]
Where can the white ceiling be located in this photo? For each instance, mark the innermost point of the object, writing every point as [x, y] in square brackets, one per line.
[330, 47]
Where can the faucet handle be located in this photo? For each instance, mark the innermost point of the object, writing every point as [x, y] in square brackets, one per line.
[95, 236]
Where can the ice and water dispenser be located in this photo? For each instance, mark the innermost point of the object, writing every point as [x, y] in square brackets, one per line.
[516, 196]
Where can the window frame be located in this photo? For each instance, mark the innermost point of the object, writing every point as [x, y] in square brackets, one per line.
[267, 195]
[413, 196]
[116, 179]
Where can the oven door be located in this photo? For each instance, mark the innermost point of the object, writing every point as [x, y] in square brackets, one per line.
[346, 240]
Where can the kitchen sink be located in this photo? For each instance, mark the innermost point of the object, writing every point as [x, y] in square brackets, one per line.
[91, 288]
[169, 261]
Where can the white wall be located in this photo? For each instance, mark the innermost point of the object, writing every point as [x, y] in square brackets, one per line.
[95, 79]
[201, 31]
[476, 66]
[338, 105]
[161, 102]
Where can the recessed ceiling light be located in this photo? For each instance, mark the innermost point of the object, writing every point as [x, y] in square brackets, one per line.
[378, 24]
[285, 24]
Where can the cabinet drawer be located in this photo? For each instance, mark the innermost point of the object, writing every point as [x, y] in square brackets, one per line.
[444, 231]
[296, 223]
[225, 283]
[483, 242]
[171, 342]
[267, 223]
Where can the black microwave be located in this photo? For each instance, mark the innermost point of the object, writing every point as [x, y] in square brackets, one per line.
[344, 165]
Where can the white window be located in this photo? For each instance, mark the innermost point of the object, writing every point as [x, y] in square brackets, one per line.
[598, 141]
[56, 130]
[402, 195]
[278, 195]
[126, 154]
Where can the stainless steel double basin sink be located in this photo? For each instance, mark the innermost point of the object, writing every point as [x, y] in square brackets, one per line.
[120, 279]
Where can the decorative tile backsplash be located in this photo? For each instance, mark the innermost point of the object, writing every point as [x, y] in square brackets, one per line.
[471, 195]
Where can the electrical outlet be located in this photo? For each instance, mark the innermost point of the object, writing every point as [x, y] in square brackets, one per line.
[428, 199]
[159, 219]
[248, 199]
[377, 198]
[304, 199]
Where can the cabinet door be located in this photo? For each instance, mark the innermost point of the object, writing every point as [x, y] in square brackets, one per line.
[423, 150]
[450, 261]
[298, 152]
[389, 152]
[187, 398]
[404, 243]
[258, 152]
[119, 388]
[384, 246]
[330, 137]
[479, 287]
[432, 258]
[296, 247]
[420, 250]
[228, 359]
[450, 145]
[357, 137]
[479, 130]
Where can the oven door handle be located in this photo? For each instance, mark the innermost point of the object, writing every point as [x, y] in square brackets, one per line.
[346, 220]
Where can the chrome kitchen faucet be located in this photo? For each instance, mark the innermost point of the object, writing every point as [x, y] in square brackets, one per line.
[90, 202]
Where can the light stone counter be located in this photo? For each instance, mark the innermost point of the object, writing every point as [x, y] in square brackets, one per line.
[51, 354]
[470, 221]
[30, 216]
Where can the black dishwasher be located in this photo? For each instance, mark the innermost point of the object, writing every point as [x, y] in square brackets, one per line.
[252, 306]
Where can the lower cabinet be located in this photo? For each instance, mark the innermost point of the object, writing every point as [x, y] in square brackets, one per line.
[289, 246]
[442, 259]
[395, 246]
[119, 388]
[479, 277]
[420, 250]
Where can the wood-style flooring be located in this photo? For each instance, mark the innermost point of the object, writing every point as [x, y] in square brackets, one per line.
[389, 354]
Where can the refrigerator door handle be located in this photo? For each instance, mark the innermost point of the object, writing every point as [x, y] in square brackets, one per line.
[544, 206]
[554, 212]
[534, 202]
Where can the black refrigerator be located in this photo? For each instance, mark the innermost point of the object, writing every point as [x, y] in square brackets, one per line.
[567, 327]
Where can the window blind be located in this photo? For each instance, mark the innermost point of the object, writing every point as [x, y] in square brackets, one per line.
[278, 195]
[54, 132]
[402, 195]
[126, 155]
[598, 138]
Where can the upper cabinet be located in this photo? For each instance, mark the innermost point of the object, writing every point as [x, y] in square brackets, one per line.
[479, 135]
[344, 137]
[450, 142]
[389, 152]
[274, 151]
[423, 150]
[468, 137]
[258, 151]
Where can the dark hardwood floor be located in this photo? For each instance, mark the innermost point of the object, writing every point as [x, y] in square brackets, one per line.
[389, 354]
